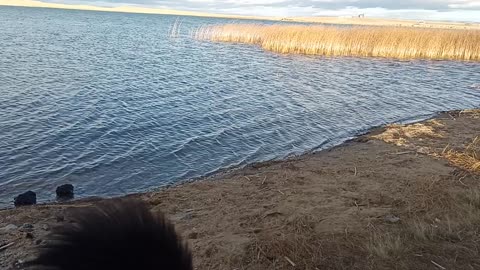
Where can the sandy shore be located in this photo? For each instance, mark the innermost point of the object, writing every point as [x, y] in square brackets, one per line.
[399, 197]
[319, 19]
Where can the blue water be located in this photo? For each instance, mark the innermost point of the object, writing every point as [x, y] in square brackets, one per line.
[113, 104]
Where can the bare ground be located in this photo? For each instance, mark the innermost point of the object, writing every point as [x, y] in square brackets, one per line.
[400, 197]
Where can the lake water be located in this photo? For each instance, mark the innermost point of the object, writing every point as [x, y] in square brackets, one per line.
[113, 104]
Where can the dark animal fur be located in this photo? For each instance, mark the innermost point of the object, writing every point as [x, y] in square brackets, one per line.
[120, 234]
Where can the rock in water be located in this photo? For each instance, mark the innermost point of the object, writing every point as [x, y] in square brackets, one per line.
[65, 192]
[27, 198]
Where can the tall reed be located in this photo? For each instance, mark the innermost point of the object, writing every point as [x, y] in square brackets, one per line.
[391, 42]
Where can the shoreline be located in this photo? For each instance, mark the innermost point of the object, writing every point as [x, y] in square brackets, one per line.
[218, 173]
[364, 204]
[315, 20]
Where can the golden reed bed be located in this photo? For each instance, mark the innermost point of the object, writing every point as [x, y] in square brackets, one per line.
[391, 42]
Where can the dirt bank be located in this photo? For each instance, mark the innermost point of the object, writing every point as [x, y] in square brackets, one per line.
[401, 197]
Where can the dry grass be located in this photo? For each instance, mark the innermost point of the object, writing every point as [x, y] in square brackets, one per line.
[296, 245]
[400, 135]
[467, 158]
[473, 113]
[439, 225]
[391, 42]
[386, 246]
[415, 137]
[443, 233]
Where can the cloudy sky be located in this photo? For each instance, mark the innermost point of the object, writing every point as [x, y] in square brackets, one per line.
[459, 10]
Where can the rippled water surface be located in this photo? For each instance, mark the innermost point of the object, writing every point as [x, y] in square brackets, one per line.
[113, 104]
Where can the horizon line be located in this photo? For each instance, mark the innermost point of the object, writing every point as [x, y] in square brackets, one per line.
[372, 21]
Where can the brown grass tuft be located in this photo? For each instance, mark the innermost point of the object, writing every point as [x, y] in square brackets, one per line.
[297, 245]
[386, 246]
[391, 42]
[400, 134]
[467, 159]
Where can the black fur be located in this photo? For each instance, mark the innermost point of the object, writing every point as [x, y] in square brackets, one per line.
[120, 234]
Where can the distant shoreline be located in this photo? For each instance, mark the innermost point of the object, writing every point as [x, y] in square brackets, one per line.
[320, 20]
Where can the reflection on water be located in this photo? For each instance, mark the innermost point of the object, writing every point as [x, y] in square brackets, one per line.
[110, 103]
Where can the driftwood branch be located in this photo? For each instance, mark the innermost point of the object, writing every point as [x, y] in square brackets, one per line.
[2, 248]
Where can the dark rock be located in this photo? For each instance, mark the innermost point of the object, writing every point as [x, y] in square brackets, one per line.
[27, 227]
[38, 242]
[29, 235]
[65, 192]
[362, 139]
[257, 230]
[27, 198]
